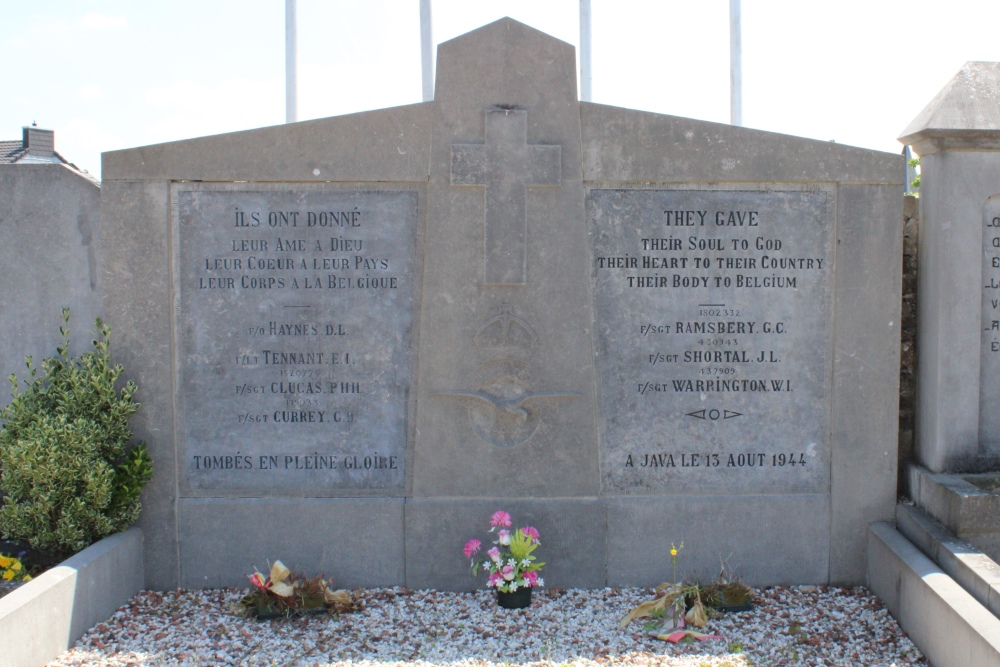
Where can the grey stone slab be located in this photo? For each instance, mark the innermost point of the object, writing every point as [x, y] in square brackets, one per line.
[713, 308]
[505, 165]
[955, 187]
[628, 145]
[505, 387]
[865, 395]
[962, 507]
[137, 297]
[976, 572]
[988, 543]
[947, 624]
[761, 538]
[50, 258]
[573, 535]
[294, 315]
[964, 114]
[44, 617]
[357, 542]
[989, 370]
[376, 146]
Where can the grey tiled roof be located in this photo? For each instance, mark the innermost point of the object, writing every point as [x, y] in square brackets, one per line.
[10, 151]
[13, 151]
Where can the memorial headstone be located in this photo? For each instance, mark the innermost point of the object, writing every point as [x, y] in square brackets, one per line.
[359, 336]
[958, 139]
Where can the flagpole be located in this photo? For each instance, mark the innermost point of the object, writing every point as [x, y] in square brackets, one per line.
[586, 92]
[291, 69]
[735, 63]
[426, 51]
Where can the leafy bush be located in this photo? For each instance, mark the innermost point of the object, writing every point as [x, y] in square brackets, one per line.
[67, 473]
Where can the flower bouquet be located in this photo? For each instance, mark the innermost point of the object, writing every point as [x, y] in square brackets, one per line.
[513, 570]
[285, 593]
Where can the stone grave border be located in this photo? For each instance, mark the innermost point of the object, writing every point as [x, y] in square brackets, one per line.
[45, 616]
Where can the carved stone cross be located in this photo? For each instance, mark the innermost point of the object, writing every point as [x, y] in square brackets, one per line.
[506, 164]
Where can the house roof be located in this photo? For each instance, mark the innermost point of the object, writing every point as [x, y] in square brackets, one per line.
[15, 152]
[10, 151]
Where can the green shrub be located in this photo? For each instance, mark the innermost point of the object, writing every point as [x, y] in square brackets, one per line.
[67, 473]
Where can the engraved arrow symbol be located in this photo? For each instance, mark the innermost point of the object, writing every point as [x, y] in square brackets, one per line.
[713, 414]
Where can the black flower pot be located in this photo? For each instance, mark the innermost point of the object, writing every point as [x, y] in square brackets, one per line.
[519, 599]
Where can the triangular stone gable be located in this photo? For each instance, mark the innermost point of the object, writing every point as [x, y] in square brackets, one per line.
[967, 107]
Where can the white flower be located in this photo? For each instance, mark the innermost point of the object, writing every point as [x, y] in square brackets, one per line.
[540, 581]
[512, 586]
[512, 562]
[525, 562]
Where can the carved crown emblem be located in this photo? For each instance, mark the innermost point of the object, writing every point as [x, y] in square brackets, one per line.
[505, 335]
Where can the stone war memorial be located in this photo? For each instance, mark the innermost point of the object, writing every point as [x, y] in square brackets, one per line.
[958, 420]
[357, 337]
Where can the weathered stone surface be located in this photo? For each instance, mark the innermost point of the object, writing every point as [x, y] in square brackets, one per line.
[506, 379]
[294, 320]
[356, 542]
[964, 115]
[713, 309]
[989, 372]
[50, 258]
[516, 210]
[758, 538]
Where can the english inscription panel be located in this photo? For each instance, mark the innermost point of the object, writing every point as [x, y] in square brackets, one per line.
[294, 316]
[989, 386]
[713, 338]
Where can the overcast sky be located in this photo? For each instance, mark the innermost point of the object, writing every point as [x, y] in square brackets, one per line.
[111, 74]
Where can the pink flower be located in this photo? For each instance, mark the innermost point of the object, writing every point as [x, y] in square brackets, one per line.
[494, 579]
[257, 579]
[531, 532]
[504, 536]
[472, 547]
[501, 519]
[531, 578]
[508, 572]
[494, 554]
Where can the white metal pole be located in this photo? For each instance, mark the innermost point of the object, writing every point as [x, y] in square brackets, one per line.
[735, 63]
[291, 69]
[426, 50]
[586, 92]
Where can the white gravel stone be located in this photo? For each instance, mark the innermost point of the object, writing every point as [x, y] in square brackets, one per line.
[831, 626]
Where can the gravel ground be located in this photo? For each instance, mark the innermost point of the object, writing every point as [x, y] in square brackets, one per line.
[789, 626]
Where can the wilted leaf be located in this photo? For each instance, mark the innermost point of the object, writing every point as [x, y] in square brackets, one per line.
[696, 614]
[282, 589]
[279, 572]
[647, 608]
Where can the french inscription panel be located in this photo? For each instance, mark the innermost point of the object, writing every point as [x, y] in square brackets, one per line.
[294, 315]
[989, 386]
[714, 314]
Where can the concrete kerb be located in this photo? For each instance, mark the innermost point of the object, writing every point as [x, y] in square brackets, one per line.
[44, 617]
[974, 571]
[946, 623]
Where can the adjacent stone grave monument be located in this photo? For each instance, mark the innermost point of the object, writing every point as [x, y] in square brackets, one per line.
[958, 364]
[356, 337]
[50, 219]
[957, 137]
